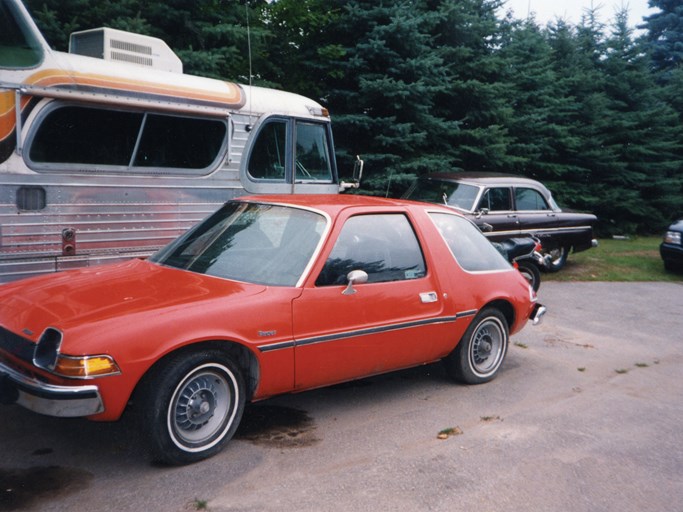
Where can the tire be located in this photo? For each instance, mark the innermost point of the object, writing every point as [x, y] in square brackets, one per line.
[191, 406]
[530, 272]
[558, 259]
[481, 351]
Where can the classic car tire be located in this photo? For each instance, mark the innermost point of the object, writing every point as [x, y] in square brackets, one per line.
[558, 259]
[191, 406]
[481, 351]
[530, 272]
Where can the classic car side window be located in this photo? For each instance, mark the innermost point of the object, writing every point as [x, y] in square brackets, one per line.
[383, 245]
[471, 249]
[496, 199]
[529, 199]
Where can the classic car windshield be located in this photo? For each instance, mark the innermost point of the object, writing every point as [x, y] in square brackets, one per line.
[250, 242]
[455, 194]
[471, 249]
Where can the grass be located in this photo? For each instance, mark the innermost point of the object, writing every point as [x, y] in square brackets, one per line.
[635, 259]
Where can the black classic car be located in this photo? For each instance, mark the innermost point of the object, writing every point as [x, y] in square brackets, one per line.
[671, 248]
[506, 206]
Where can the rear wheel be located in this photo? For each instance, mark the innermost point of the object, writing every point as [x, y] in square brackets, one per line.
[191, 406]
[530, 272]
[558, 259]
[481, 351]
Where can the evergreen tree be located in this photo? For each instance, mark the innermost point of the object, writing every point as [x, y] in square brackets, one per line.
[665, 34]
[543, 108]
[644, 134]
[468, 38]
[383, 98]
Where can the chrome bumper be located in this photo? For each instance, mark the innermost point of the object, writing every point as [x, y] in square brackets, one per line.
[537, 314]
[48, 399]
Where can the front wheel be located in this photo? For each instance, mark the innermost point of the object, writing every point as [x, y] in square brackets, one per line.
[480, 353]
[191, 406]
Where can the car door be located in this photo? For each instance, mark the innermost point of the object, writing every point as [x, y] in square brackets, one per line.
[534, 213]
[496, 202]
[393, 320]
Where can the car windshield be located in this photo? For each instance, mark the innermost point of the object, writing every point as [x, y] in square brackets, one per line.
[452, 193]
[250, 242]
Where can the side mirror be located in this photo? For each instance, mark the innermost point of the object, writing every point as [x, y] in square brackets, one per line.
[356, 176]
[355, 277]
[481, 211]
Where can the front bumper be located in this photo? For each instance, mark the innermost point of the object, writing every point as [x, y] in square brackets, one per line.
[671, 253]
[48, 399]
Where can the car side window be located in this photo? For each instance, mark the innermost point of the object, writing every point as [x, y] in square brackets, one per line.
[496, 199]
[530, 199]
[383, 245]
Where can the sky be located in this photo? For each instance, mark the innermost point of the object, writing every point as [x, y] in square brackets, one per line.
[571, 10]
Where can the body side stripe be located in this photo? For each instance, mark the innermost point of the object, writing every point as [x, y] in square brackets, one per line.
[364, 332]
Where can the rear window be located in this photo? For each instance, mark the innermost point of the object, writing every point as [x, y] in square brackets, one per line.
[471, 249]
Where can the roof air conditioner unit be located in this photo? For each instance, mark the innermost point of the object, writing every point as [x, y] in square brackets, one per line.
[118, 45]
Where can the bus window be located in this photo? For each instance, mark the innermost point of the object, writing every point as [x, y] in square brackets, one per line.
[76, 135]
[18, 46]
[267, 158]
[73, 137]
[179, 142]
[312, 155]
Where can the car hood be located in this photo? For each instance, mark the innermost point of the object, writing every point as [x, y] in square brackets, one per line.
[132, 289]
[677, 226]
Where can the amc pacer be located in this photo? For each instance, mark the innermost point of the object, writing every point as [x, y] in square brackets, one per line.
[269, 295]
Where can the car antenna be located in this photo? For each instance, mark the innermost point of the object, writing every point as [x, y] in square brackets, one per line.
[251, 92]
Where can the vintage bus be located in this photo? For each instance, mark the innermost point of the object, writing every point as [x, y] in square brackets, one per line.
[109, 151]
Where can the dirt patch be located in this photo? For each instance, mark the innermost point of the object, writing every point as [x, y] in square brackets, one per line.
[20, 488]
[277, 427]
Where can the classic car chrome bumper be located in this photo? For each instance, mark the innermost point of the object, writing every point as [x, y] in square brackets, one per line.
[44, 398]
[537, 314]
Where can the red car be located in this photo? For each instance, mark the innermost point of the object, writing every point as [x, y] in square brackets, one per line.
[269, 295]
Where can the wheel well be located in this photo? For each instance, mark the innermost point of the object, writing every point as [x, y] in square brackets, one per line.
[242, 357]
[505, 308]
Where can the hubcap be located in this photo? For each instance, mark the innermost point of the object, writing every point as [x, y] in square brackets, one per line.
[202, 408]
[488, 346]
[196, 404]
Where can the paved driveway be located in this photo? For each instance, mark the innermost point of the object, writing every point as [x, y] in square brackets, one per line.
[585, 416]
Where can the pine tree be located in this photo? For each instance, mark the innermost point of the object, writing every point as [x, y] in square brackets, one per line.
[383, 96]
[665, 34]
[644, 135]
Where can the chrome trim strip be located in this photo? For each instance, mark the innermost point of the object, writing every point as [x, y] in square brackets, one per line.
[52, 400]
[364, 332]
[277, 346]
[539, 231]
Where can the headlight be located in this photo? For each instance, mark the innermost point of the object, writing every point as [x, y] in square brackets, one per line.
[673, 237]
[47, 357]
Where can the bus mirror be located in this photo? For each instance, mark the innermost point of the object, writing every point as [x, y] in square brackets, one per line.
[357, 175]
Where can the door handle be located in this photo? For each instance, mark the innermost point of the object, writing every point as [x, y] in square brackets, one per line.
[428, 297]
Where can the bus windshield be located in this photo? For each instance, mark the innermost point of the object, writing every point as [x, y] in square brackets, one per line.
[19, 47]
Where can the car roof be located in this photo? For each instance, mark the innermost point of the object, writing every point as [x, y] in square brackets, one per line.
[484, 178]
[333, 203]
